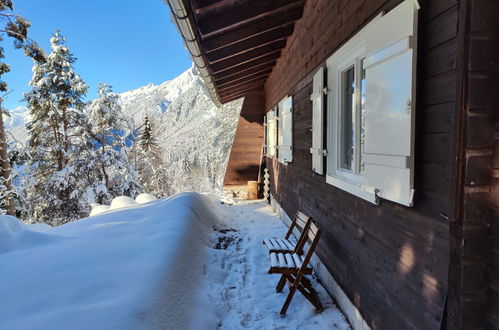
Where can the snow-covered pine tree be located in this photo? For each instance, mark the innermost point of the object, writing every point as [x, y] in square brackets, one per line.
[16, 27]
[147, 140]
[18, 160]
[149, 163]
[109, 129]
[58, 138]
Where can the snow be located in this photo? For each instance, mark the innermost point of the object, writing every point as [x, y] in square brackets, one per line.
[185, 262]
[99, 209]
[145, 198]
[122, 201]
[15, 235]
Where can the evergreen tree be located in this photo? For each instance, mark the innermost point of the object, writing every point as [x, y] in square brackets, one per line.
[58, 138]
[147, 140]
[16, 27]
[110, 128]
[149, 162]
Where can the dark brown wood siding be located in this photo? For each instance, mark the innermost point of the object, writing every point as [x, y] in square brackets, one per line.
[474, 234]
[391, 260]
[245, 155]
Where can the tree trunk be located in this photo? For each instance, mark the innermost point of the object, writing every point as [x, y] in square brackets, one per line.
[65, 137]
[5, 166]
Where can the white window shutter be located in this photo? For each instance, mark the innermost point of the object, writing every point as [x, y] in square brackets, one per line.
[390, 106]
[265, 135]
[271, 133]
[317, 98]
[285, 129]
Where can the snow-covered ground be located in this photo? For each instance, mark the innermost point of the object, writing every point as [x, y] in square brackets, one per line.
[186, 262]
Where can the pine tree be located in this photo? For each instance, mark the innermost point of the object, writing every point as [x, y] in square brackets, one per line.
[58, 138]
[16, 27]
[149, 162]
[110, 128]
[147, 140]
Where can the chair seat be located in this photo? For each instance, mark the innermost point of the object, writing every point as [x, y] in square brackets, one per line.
[279, 245]
[287, 263]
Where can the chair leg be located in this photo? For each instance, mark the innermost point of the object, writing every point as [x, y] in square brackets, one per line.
[292, 291]
[311, 296]
[313, 292]
[281, 283]
[302, 284]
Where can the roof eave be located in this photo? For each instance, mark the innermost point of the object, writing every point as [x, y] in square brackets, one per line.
[184, 20]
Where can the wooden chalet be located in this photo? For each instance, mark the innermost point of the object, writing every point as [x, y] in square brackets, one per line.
[378, 118]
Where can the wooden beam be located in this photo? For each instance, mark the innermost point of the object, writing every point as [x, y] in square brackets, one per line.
[242, 88]
[205, 3]
[232, 80]
[239, 13]
[248, 56]
[236, 96]
[229, 86]
[232, 98]
[248, 65]
[269, 23]
[220, 78]
[249, 44]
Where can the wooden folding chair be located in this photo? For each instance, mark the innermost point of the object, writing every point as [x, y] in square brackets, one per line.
[293, 266]
[300, 221]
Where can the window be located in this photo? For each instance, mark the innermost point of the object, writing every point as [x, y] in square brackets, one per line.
[347, 116]
[370, 101]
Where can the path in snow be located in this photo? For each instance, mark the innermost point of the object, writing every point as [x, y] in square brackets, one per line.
[239, 286]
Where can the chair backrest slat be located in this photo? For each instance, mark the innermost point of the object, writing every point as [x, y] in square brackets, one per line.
[313, 234]
[313, 228]
[299, 220]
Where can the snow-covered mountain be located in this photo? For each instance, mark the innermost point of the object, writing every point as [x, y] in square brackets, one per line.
[196, 135]
[15, 123]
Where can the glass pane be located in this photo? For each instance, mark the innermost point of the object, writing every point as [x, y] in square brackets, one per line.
[362, 115]
[347, 121]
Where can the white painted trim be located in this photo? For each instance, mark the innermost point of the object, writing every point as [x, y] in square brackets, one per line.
[327, 280]
[356, 189]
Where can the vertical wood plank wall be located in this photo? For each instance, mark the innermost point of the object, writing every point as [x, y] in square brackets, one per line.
[391, 261]
[244, 159]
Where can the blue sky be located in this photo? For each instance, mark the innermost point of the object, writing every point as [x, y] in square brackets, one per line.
[122, 42]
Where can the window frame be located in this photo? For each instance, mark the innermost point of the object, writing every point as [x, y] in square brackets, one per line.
[350, 55]
[382, 39]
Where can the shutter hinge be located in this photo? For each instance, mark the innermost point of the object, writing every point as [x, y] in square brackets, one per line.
[324, 152]
[325, 90]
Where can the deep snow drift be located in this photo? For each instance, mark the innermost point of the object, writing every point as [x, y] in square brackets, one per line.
[134, 268]
[186, 262]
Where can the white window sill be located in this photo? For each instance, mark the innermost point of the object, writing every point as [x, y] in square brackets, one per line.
[283, 162]
[356, 189]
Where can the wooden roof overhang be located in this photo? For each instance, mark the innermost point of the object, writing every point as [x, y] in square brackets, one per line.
[235, 43]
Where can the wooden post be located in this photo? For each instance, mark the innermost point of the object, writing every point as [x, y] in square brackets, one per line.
[252, 189]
